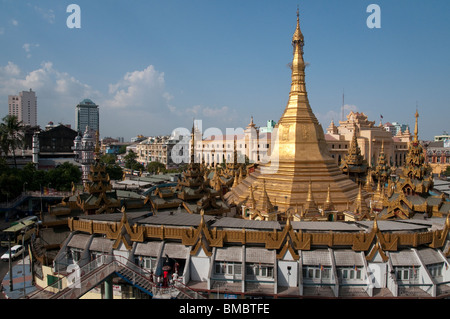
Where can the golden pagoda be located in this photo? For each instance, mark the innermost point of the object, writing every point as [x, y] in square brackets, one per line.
[300, 154]
[410, 196]
[382, 171]
[354, 164]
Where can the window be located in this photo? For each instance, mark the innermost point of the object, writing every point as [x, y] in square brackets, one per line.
[316, 272]
[53, 280]
[76, 254]
[349, 273]
[435, 270]
[227, 268]
[259, 270]
[406, 273]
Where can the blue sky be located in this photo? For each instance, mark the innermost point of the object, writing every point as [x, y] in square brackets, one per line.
[153, 66]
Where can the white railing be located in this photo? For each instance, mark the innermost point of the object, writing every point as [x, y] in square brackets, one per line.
[74, 285]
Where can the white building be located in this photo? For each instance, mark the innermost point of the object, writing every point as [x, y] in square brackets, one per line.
[24, 106]
[84, 148]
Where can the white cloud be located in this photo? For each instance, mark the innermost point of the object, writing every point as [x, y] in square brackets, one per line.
[142, 90]
[2, 31]
[9, 70]
[209, 112]
[28, 46]
[14, 22]
[325, 119]
[136, 104]
[47, 15]
[57, 92]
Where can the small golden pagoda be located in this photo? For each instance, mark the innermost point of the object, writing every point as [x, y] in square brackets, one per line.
[300, 154]
[196, 191]
[382, 171]
[409, 196]
[354, 164]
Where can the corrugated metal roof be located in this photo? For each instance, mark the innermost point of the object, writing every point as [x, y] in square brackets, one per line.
[390, 225]
[79, 241]
[229, 254]
[404, 258]
[148, 249]
[230, 222]
[316, 257]
[346, 257]
[259, 255]
[101, 244]
[325, 226]
[429, 256]
[175, 219]
[174, 250]
[115, 217]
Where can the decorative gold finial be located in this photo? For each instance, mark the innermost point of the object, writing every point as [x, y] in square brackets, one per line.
[375, 223]
[416, 127]
[298, 36]
[97, 145]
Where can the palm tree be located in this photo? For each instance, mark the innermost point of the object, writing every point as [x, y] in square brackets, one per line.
[4, 145]
[11, 134]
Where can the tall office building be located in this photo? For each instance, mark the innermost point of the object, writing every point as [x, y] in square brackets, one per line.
[24, 106]
[86, 114]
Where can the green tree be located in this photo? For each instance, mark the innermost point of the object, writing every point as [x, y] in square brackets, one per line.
[108, 159]
[12, 134]
[154, 167]
[114, 170]
[130, 161]
[62, 176]
[447, 171]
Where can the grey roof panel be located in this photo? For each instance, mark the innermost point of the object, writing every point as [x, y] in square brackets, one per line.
[175, 219]
[325, 226]
[230, 222]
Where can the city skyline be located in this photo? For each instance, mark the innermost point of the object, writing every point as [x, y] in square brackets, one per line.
[152, 67]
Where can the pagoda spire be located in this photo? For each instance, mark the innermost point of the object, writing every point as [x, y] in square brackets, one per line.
[299, 151]
[328, 205]
[310, 205]
[298, 64]
[416, 128]
[298, 108]
[193, 143]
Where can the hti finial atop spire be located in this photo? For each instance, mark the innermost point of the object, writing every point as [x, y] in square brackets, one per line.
[298, 36]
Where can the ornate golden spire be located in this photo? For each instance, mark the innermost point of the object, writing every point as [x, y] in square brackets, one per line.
[298, 36]
[252, 197]
[416, 128]
[298, 65]
[97, 146]
[266, 204]
[360, 205]
[328, 205]
[193, 143]
[310, 206]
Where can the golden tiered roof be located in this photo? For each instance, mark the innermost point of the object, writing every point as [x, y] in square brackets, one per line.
[410, 194]
[382, 169]
[353, 163]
